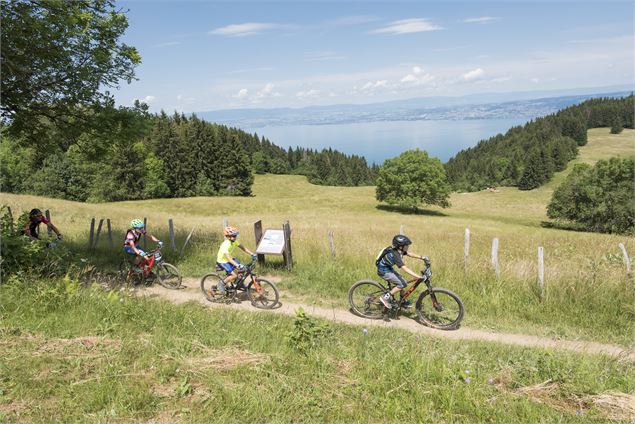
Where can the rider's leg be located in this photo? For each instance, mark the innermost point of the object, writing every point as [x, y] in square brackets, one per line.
[399, 284]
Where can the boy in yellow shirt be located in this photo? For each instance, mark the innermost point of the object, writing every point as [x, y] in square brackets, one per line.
[225, 258]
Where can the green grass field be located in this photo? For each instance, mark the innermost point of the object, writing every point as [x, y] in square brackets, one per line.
[587, 292]
[70, 355]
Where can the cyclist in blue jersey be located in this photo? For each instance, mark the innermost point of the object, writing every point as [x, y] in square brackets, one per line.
[385, 262]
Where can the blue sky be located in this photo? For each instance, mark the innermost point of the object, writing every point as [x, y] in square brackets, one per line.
[208, 55]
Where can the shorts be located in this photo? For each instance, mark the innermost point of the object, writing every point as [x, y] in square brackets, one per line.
[394, 278]
[228, 266]
[130, 251]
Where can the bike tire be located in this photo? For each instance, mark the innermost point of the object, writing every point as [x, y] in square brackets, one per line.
[363, 297]
[169, 276]
[126, 276]
[447, 319]
[208, 287]
[267, 298]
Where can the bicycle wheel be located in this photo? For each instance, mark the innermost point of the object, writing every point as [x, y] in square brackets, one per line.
[363, 296]
[266, 297]
[126, 275]
[168, 276]
[208, 287]
[444, 314]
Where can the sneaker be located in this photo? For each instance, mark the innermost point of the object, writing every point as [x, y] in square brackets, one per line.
[406, 304]
[385, 299]
[220, 288]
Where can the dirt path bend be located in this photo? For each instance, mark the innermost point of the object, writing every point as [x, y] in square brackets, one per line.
[192, 293]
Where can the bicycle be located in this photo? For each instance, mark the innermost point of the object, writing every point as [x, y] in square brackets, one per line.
[436, 307]
[262, 294]
[152, 269]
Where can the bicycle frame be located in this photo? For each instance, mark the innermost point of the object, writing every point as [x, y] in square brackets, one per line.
[412, 285]
[243, 275]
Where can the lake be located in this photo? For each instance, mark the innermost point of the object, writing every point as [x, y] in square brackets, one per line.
[378, 141]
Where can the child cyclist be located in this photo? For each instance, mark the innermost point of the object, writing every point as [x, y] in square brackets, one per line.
[131, 243]
[32, 227]
[226, 260]
[389, 257]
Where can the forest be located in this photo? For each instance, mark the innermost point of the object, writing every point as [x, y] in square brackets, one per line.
[135, 155]
[527, 156]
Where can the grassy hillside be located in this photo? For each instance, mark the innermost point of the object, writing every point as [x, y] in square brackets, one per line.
[588, 294]
[69, 355]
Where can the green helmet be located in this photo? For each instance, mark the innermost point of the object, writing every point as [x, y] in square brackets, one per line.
[136, 223]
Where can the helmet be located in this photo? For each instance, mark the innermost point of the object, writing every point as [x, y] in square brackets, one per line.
[230, 231]
[136, 223]
[35, 212]
[400, 241]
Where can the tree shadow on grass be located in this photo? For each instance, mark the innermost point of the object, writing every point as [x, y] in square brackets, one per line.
[409, 211]
[564, 226]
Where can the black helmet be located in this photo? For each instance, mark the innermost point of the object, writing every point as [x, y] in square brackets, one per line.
[35, 212]
[400, 241]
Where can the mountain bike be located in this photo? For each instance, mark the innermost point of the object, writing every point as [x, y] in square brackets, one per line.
[261, 293]
[436, 307]
[152, 269]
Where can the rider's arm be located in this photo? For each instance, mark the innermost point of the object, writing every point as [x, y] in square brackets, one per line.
[247, 251]
[409, 271]
[133, 247]
[413, 255]
[54, 228]
[230, 259]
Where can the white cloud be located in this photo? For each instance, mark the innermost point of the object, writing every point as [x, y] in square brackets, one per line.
[473, 75]
[242, 94]
[408, 26]
[147, 100]
[308, 94]
[481, 20]
[267, 91]
[371, 86]
[241, 30]
[535, 80]
[417, 77]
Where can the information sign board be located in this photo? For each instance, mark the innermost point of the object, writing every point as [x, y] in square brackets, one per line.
[272, 243]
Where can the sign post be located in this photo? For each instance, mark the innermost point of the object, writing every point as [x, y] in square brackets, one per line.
[274, 242]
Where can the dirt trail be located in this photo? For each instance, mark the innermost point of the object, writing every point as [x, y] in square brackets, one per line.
[193, 293]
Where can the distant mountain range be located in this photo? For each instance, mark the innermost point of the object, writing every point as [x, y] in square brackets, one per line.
[529, 104]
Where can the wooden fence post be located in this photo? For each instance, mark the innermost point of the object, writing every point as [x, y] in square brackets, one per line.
[258, 234]
[145, 227]
[495, 257]
[332, 243]
[627, 260]
[171, 229]
[401, 230]
[541, 271]
[92, 233]
[10, 217]
[101, 222]
[47, 213]
[288, 257]
[225, 222]
[466, 248]
[187, 240]
[109, 233]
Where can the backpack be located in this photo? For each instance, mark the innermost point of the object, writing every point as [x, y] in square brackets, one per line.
[381, 255]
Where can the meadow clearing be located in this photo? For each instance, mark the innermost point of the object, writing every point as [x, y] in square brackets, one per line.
[588, 294]
[72, 355]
